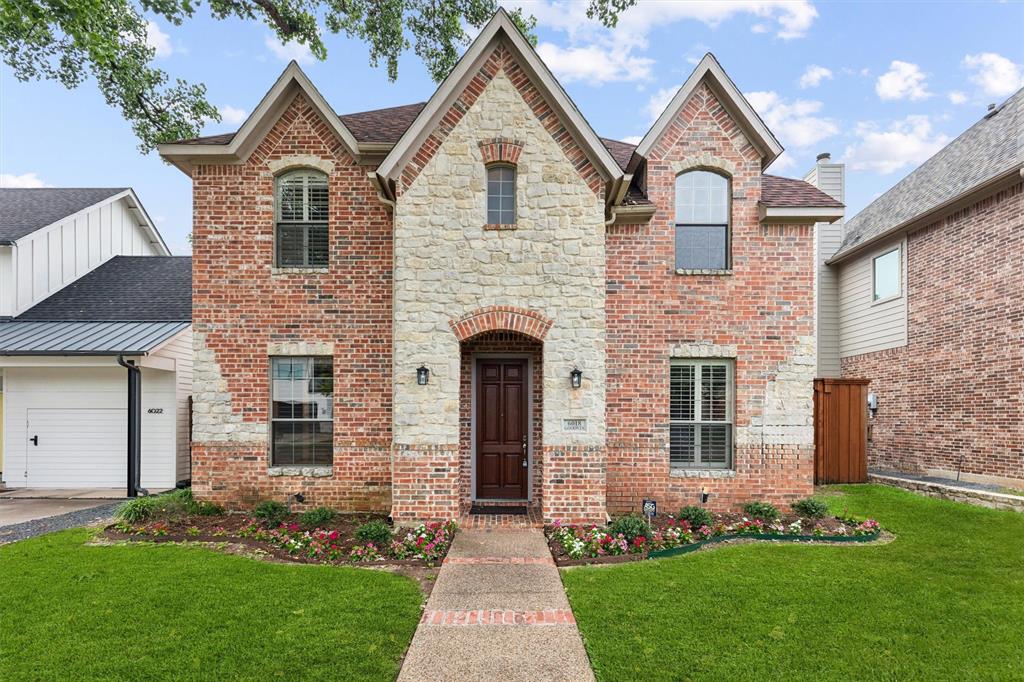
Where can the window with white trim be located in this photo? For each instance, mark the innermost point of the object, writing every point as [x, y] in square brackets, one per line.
[702, 221]
[302, 411]
[501, 194]
[885, 275]
[701, 407]
[301, 233]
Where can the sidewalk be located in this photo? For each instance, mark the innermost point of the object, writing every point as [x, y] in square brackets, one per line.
[498, 611]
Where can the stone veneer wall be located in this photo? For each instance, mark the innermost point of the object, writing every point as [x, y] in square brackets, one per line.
[245, 311]
[957, 388]
[447, 265]
[761, 313]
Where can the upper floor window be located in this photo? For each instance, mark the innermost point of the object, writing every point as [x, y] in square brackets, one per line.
[702, 221]
[501, 194]
[301, 234]
[886, 275]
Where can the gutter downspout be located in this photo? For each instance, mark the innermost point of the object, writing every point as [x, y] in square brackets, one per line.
[134, 428]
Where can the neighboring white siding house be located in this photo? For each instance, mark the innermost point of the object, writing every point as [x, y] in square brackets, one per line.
[866, 325]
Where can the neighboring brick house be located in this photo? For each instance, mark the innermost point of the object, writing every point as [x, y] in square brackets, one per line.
[930, 307]
[477, 299]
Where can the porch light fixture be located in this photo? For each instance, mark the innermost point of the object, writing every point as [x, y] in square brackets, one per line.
[576, 378]
[422, 375]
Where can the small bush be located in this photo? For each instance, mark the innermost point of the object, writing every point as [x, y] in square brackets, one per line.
[272, 512]
[696, 516]
[317, 518]
[138, 510]
[811, 508]
[761, 510]
[377, 531]
[167, 505]
[207, 509]
[630, 527]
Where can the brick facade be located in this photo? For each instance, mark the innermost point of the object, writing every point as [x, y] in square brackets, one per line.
[954, 395]
[427, 284]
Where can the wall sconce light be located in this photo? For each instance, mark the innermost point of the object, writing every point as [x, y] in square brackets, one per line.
[422, 375]
[872, 404]
[576, 378]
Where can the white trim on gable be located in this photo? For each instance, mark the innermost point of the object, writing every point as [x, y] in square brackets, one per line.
[291, 81]
[500, 26]
[731, 98]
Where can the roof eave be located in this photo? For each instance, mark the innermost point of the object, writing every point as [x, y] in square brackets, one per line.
[799, 214]
[500, 26]
[994, 184]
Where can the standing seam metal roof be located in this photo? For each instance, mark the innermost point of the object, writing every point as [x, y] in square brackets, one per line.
[85, 338]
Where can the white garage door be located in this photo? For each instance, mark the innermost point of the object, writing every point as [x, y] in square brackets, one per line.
[73, 448]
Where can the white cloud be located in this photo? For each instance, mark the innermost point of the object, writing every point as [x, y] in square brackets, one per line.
[659, 101]
[229, 114]
[23, 181]
[289, 51]
[994, 74]
[957, 97]
[903, 80]
[909, 141]
[784, 162]
[158, 40]
[814, 75]
[632, 139]
[594, 64]
[794, 123]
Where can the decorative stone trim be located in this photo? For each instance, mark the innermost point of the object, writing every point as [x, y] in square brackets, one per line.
[716, 273]
[470, 617]
[312, 472]
[700, 349]
[706, 161]
[501, 318]
[287, 163]
[298, 271]
[951, 491]
[702, 473]
[499, 226]
[301, 348]
[501, 150]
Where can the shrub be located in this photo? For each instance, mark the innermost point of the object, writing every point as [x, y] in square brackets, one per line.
[761, 510]
[316, 518]
[141, 509]
[137, 510]
[630, 527]
[207, 509]
[696, 517]
[811, 508]
[377, 531]
[272, 512]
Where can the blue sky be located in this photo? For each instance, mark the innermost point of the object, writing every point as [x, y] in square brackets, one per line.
[880, 85]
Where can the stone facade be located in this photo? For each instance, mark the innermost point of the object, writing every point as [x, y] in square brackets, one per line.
[426, 283]
[953, 397]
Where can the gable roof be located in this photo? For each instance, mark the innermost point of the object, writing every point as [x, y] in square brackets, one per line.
[242, 143]
[731, 98]
[125, 288]
[382, 125]
[499, 27]
[989, 151]
[779, 192]
[23, 211]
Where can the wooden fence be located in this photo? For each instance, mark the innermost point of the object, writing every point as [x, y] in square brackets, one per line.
[840, 431]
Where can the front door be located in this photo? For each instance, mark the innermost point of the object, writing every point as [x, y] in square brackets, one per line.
[502, 466]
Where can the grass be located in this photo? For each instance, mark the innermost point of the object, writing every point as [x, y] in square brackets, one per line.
[71, 611]
[945, 600]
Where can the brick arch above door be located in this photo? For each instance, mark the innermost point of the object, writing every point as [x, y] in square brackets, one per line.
[501, 318]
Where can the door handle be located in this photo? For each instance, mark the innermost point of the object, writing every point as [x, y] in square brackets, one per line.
[35, 440]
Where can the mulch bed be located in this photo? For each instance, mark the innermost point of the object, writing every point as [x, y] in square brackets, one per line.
[828, 531]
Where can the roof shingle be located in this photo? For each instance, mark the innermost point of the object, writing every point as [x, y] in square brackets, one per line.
[777, 191]
[125, 288]
[23, 211]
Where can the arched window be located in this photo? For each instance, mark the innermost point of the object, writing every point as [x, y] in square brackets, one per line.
[301, 234]
[501, 194]
[702, 221]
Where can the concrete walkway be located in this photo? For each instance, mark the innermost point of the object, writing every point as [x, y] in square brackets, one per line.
[498, 611]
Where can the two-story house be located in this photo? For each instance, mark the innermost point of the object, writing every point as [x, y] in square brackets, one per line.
[477, 300]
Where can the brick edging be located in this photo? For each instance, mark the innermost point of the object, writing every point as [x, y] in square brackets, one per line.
[470, 617]
[500, 561]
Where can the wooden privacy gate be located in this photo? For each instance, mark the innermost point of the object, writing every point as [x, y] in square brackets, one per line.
[840, 430]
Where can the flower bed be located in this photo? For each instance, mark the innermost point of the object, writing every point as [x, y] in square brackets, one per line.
[333, 542]
[575, 545]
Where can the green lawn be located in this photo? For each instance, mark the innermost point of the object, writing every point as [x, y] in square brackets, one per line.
[68, 611]
[945, 600]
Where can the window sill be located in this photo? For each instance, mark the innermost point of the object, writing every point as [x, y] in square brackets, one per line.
[310, 472]
[716, 273]
[702, 473]
[495, 227]
[299, 271]
[887, 299]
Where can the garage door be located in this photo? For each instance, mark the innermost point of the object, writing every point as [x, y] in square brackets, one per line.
[72, 448]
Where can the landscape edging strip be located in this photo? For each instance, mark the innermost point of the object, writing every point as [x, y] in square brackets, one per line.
[684, 549]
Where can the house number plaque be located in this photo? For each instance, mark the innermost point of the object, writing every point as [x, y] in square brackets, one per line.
[574, 425]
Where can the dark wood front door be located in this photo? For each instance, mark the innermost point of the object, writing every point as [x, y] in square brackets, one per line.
[501, 429]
